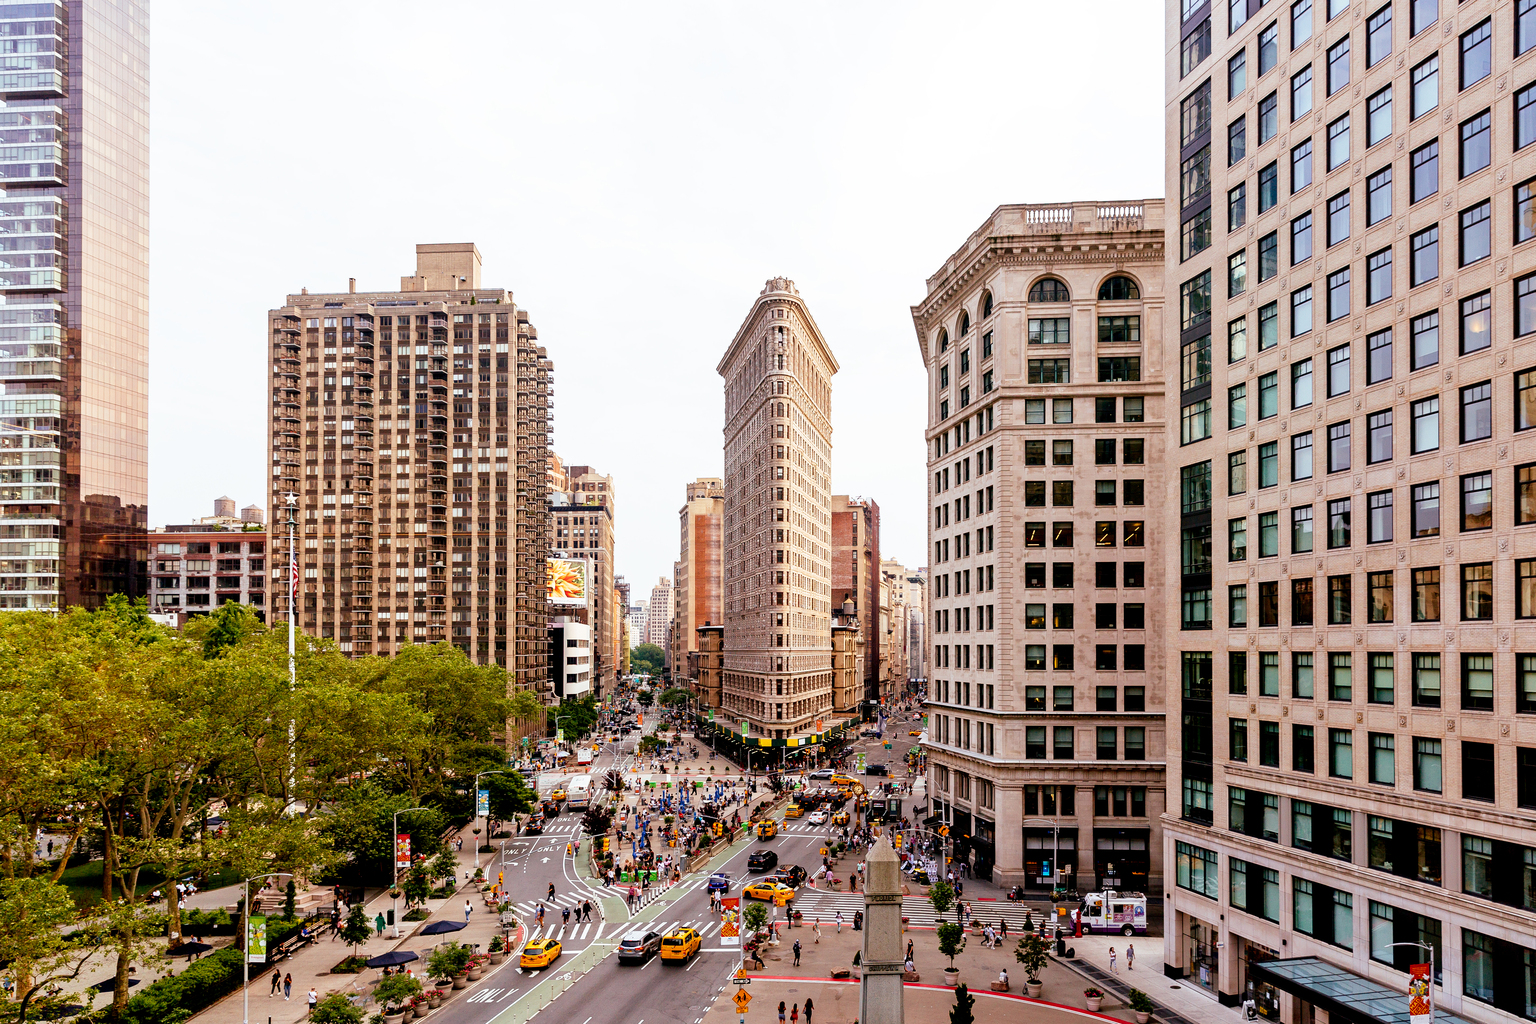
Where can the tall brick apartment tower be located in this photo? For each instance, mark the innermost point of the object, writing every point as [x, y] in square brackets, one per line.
[1352, 482]
[414, 426]
[778, 561]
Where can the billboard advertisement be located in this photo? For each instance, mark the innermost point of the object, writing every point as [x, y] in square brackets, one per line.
[256, 939]
[483, 803]
[730, 917]
[402, 852]
[567, 582]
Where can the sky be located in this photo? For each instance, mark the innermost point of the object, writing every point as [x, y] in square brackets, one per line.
[633, 173]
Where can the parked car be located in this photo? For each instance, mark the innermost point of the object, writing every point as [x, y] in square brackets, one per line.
[639, 945]
[877, 769]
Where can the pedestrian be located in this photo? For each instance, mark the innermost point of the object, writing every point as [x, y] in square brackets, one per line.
[839, 922]
[469, 908]
[551, 892]
[909, 950]
[1130, 956]
[314, 997]
[378, 923]
[794, 1014]
[565, 916]
[277, 983]
[816, 929]
[808, 1008]
[1112, 969]
[781, 1011]
[541, 915]
[797, 952]
[586, 910]
[1002, 927]
[287, 986]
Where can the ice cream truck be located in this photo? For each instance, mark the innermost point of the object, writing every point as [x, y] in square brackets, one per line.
[1111, 911]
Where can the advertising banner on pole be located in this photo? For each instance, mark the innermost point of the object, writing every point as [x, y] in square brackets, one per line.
[483, 803]
[256, 939]
[744, 730]
[1420, 1010]
[730, 915]
[402, 851]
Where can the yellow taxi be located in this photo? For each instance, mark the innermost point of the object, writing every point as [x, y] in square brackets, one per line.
[558, 795]
[793, 811]
[913, 732]
[844, 781]
[840, 818]
[777, 892]
[767, 830]
[680, 944]
[540, 953]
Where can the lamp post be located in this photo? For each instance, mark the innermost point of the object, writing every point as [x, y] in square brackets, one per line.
[394, 866]
[1056, 853]
[1431, 950]
[487, 823]
[245, 945]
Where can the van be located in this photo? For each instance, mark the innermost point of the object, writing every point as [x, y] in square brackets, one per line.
[1111, 911]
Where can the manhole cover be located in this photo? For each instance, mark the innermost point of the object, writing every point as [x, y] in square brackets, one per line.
[1175, 986]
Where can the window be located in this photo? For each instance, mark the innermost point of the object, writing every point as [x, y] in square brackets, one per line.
[1426, 340]
[1269, 464]
[1196, 234]
[1301, 601]
[1476, 54]
[1119, 328]
[1426, 510]
[1525, 589]
[1237, 340]
[1195, 363]
[1477, 502]
[1195, 422]
[1477, 592]
[1301, 383]
[1378, 36]
[1050, 371]
[1269, 604]
[1301, 456]
[1423, 12]
[1426, 599]
[1426, 765]
[1525, 26]
[1381, 682]
[1476, 876]
[1268, 124]
[1379, 588]
[1476, 323]
[1341, 746]
[1338, 218]
[1062, 747]
[1426, 679]
[1061, 412]
[1338, 142]
[1338, 523]
[1194, 115]
[1525, 494]
[1269, 744]
[1338, 371]
[1301, 311]
[1378, 281]
[1237, 75]
[1383, 770]
[1034, 412]
[1425, 79]
[1237, 273]
[1378, 196]
[1379, 523]
[1237, 206]
[1269, 674]
[1301, 22]
[1269, 534]
[1196, 870]
[1237, 739]
[1525, 323]
[1525, 704]
[1301, 530]
[1194, 301]
[1477, 685]
[1269, 256]
[1477, 410]
[1237, 605]
[1426, 425]
[1424, 165]
[1237, 140]
[1476, 234]
[1050, 330]
[1378, 364]
[1106, 743]
[1049, 289]
[1525, 114]
[1269, 48]
[1476, 150]
[1338, 294]
[1301, 684]
[1301, 171]
[1338, 65]
[1237, 540]
[1424, 250]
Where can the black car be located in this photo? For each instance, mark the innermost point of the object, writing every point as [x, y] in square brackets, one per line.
[639, 945]
[534, 827]
[792, 875]
[877, 769]
[762, 860]
[551, 809]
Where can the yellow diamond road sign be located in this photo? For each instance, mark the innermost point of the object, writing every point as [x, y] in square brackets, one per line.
[742, 998]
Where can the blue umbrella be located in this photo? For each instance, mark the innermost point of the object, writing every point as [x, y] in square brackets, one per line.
[441, 927]
[393, 959]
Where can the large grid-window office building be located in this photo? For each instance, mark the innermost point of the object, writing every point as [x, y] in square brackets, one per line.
[1353, 779]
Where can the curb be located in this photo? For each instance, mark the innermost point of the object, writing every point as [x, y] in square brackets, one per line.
[1090, 1014]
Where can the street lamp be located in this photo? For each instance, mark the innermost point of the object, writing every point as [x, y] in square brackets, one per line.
[394, 862]
[1431, 950]
[487, 810]
[245, 944]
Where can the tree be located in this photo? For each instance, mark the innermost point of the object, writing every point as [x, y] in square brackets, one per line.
[596, 821]
[445, 867]
[961, 1012]
[226, 628]
[356, 929]
[646, 698]
[33, 915]
[397, 990]
[1033, 952]
[613, 781]
[647, 659]
[509, 795]
[755, 917]
[417, 886]
[951, 941]
[942, 895]
[676, 697]
[335, 1009]
[448, 960]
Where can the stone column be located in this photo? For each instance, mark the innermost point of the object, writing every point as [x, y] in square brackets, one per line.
[880, 987]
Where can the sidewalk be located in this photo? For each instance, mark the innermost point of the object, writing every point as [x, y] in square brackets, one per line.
[310, 966]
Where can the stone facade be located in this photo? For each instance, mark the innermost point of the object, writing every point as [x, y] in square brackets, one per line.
[856, 578]
[697, 582]
[1042, 341]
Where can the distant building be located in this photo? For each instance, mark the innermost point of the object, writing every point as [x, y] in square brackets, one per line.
[639, 624]
[194, 570]
[856, 578]
[570, 657]
[581, 527]
[660, 614]
[697, 579]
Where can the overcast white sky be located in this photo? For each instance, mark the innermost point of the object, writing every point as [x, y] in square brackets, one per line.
[633, 173]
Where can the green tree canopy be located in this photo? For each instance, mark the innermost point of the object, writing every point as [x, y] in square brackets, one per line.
[647, 659]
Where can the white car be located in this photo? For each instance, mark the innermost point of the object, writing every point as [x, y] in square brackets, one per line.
[817, 818]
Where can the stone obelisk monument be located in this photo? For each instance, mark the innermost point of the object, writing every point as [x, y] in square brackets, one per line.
[880, 988]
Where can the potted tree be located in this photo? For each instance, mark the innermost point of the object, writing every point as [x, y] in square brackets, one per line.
[951, 944]
[1141, 1004]
[1093, 997]
[1033, 952]
[942, 896]
[395, 993]
[334, 1009]
[448, 964]
[496, 951]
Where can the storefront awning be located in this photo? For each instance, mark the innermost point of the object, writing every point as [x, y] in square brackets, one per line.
[1348, 998]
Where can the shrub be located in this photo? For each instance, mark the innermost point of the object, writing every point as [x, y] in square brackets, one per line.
[397, 990]
[351, 965]
[1140, 1001]
[202, 984]
[961, 1012]
[416, 914]
[334, 1009]
[1092, 993]
[448, 960]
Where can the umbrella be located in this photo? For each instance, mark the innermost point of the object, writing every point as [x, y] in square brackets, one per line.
[188, 949]
[393, 959]
[440, 927]
[110, 983]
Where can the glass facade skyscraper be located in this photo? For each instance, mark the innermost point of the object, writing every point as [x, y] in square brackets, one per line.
[74, 257]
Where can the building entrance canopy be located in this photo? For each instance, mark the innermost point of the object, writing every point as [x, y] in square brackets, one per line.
[1348, 998]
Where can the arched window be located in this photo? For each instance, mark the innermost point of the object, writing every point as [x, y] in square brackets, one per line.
[1118, 287]
[943, 341]
[965, 324]
[1049, 289]
[986, 305]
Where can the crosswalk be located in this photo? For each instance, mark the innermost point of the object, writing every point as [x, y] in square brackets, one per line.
[818, 903]
[610, 932]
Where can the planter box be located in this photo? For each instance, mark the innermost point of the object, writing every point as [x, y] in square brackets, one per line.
[473, 974]
[951, 977]
[496, 957]
[394, 1018]
[459, 981]
[1093, 1004]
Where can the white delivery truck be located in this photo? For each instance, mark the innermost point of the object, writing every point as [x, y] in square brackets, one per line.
[579, 793]
[584, 757]
[1111, 911]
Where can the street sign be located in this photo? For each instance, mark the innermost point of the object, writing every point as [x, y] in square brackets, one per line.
[741, 977]
[741, 999]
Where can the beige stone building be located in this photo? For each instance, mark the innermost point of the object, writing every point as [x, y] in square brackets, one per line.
[582, 527]
[856, 578]
[1042, 340]
[659, 613]
[777, 674]
[1353, 466]
[697, 582]
[413, 424]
